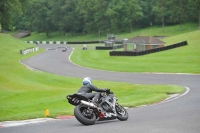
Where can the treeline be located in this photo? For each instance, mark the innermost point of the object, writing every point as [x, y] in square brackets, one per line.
[95, 16]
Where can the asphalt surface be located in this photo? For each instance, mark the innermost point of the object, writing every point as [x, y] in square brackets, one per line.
[181, 115]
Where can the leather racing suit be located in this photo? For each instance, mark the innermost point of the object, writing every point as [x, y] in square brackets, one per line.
[87, 89]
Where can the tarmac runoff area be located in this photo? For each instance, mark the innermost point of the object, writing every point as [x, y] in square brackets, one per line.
[64, 117]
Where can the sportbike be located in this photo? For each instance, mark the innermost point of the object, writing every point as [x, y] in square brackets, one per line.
[88, 113]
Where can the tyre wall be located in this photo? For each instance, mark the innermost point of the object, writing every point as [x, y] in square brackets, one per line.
[109, 48]
[131, 53]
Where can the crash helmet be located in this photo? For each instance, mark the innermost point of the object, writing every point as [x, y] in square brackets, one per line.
[87, 80]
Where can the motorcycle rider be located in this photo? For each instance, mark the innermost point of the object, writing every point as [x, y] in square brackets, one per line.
[87, 89]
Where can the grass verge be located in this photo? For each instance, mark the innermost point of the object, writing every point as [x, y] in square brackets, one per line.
[179, 60]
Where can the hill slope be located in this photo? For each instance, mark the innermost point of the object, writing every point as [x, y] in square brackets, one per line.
[26, 94]
[149, 31]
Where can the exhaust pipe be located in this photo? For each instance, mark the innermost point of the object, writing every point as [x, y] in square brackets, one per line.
[88, 104]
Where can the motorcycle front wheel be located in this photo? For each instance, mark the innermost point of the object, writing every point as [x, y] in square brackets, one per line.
[84, 115]
[122, 113]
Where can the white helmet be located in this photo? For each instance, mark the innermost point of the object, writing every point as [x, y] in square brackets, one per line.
[87, 80]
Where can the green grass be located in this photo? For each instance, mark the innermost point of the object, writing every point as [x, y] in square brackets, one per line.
[179, 60]
[153, 31]
[26, 94]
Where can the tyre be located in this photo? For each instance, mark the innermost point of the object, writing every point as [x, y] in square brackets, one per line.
[122, 113]
[84, 116]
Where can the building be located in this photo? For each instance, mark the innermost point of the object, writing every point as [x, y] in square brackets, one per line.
[142, 43]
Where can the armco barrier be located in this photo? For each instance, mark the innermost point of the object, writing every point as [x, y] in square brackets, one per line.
[62, 42]
[132, 53]
[24, 52]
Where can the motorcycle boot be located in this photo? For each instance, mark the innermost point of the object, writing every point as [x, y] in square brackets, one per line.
[95, 103]
[95, 99]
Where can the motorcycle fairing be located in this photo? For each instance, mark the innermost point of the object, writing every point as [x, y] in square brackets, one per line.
[75, 99]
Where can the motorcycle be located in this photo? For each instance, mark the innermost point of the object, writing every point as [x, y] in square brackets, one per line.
[88, 113]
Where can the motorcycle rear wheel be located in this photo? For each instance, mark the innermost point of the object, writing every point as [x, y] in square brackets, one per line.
[122, 113]
[84, 116]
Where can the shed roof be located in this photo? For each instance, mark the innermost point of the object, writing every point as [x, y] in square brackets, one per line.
[145, 40]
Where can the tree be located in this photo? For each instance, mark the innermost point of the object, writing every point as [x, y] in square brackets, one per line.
[133, 13]
[64, 15]
[148, 16]
[194, 6]
[179, 11]
[93, 12]
[198, 7]
[7, 8]
[96, 16]
[161, 11]
[39, 13]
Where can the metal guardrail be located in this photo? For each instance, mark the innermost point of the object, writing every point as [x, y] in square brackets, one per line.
[24, 52]
[62, 42]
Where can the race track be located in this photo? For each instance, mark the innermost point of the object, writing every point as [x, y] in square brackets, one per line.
[181, 115]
